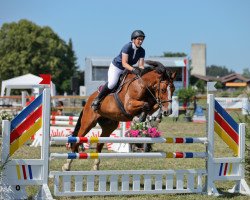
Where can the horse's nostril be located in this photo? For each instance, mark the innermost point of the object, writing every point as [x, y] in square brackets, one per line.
[167, 113]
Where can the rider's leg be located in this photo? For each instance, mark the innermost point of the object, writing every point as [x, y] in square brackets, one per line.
[103, 93]
[113, 77]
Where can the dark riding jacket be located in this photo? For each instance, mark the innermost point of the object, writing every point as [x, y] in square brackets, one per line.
[134, 54]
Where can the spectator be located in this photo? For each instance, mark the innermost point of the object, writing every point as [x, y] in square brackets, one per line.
[60, 108]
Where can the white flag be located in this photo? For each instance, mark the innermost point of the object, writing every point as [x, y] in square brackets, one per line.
[210, 86]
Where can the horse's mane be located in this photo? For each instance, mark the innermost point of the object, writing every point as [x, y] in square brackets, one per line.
[158, 67]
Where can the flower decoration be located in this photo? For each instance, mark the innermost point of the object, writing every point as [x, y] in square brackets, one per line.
[143, 130]
[5, 116]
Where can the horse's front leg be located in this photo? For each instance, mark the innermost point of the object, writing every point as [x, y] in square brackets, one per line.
[136, 106]
[97, 160]
[145, 111]
[144, 108]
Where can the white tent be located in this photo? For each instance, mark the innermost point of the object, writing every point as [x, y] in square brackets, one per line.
[27, 81]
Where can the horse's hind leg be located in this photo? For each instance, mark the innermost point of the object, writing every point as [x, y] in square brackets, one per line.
[108, 126]
[87, 122]
[66, 166]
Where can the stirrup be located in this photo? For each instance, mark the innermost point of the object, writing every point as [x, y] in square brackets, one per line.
[95, 105]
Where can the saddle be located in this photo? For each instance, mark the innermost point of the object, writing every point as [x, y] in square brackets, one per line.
[117, 89]
[119, 84]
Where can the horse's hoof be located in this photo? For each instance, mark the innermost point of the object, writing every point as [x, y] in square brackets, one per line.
[95, 168]
[158, 120]
[136, 119]
[65, 167]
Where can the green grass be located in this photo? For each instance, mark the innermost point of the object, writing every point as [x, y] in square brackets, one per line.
[170, 129]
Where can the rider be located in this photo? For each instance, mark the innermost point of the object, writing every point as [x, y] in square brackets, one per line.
[130, 54]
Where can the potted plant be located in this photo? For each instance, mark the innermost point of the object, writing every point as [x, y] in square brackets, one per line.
[142, 129]
[186, 95]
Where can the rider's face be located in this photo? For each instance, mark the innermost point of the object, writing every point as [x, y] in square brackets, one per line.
[138, 41]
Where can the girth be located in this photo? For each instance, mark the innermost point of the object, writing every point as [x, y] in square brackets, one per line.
[121, 106]
[118, 100]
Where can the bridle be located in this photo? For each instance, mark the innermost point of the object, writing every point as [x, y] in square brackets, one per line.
[157, 98]
[159, 101]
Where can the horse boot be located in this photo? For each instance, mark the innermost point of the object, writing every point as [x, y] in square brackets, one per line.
[143, 117]
[144, 113]
[103, 93]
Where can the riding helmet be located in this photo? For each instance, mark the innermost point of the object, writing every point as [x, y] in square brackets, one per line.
[136, 34]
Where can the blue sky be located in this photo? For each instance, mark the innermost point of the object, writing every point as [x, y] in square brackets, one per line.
[101, 28]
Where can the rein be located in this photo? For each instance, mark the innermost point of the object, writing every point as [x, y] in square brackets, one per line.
[157, 99]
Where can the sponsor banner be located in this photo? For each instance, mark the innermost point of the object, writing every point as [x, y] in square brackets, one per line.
[230, 102]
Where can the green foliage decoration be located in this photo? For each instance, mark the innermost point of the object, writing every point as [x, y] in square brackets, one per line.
[186, 94]
[4, 115]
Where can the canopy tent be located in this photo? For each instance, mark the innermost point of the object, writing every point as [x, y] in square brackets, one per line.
[27, 81]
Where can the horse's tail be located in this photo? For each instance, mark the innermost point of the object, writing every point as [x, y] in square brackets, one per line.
[78, 125]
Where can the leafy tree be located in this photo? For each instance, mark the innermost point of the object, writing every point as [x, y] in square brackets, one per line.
[246, 73]
[201, 85]
[220, 71]
[28, 48]
[171, 54]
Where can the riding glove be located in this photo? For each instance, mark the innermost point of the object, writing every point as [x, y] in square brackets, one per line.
[136, 71]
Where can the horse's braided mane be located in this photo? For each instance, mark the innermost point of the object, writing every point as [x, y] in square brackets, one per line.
[158, 67]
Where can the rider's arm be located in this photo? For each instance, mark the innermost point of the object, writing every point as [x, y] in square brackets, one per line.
[141, 63]
[125, 62]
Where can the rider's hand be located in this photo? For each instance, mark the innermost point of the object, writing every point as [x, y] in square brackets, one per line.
[136, 71]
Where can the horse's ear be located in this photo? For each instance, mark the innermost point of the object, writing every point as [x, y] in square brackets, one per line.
[173, 75]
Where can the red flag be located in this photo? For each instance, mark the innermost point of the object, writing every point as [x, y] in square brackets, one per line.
[46, 79]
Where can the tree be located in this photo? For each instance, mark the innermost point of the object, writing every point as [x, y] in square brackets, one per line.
[220, 71]
[28, 48]
[171, 54]
[200, 84]
[246, 73]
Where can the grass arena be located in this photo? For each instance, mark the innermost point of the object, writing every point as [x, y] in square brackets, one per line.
[177, 169]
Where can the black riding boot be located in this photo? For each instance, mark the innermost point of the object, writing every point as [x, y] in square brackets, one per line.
[103, 93]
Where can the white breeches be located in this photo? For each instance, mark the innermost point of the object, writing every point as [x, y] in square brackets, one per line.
[113, 75]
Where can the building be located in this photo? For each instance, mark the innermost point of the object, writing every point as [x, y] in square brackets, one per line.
[233, 81]
[229, 82]
[198, 56]
[96, 69]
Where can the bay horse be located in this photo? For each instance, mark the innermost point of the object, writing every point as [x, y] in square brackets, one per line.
[137, 95]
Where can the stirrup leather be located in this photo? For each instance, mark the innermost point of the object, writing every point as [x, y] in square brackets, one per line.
[95, 104]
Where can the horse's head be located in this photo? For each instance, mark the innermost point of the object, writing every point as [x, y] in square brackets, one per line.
[167, 108]
[164, 87]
